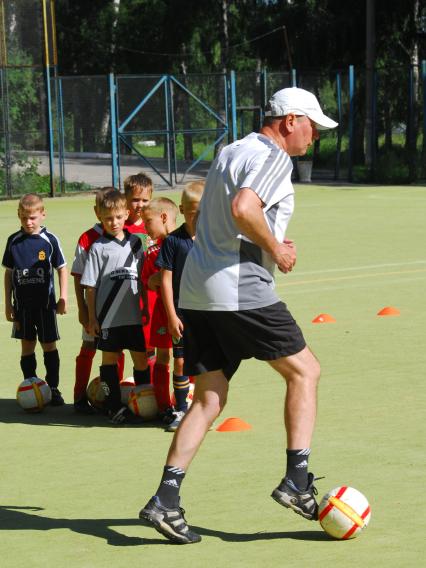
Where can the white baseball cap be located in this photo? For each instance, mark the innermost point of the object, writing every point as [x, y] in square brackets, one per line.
[300, 102]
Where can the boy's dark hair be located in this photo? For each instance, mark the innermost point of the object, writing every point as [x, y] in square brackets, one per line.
[113, 200]
[138, 181]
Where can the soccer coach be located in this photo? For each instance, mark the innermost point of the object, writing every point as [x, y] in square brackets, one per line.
[231, 310]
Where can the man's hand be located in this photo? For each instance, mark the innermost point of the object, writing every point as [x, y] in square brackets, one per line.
[284, 256]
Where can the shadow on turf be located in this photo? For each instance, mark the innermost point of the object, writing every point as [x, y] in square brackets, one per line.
[317, 535]
[11, 413]
[14, 518]
[22, 518]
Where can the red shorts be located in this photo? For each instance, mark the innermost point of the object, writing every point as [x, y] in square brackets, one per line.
[152, 298]
[159, 336]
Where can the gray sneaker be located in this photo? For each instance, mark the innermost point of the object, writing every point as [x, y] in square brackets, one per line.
[173, 426]
[302, 502]
[169, 522]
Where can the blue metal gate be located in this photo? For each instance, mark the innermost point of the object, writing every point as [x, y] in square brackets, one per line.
[172, 123]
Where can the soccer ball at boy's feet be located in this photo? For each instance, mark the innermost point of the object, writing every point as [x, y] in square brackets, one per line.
[143, 403]
[96, 393]
[126, 388]
[344, 512]
[33, 394]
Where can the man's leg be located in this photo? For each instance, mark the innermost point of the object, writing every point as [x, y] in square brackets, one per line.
[301, 373]
[163, 511]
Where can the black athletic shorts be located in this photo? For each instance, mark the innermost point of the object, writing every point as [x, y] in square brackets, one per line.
[36, 323]
[129, 337]
[221, 340]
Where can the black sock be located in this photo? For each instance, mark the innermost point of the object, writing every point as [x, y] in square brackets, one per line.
[142, 377]
[111, 385]
[181, 390]
[168, 490]
[297, 467]
[51, 362]
[29, 365]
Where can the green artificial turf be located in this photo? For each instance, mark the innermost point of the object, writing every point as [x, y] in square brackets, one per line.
[71, 487]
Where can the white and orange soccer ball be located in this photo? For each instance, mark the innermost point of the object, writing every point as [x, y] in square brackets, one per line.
[189, 398]
[95, 393]
[142, 402]
[33, 394]
[126, 387]
[344, 512]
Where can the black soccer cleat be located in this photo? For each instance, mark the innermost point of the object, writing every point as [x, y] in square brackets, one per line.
[57, 399]
[83, 406]
[302, 502]
[123, 416]
[170, 523]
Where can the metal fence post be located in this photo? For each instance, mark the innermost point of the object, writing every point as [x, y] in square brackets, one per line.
[114, 136]
[424, 118]
[233, 100]
[61, 131]
[351, 120]
[50, 138]
[6, 130]
[293, 78]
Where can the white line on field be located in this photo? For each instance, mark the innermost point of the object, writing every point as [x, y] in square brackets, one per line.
[364, 267]
[351, 277]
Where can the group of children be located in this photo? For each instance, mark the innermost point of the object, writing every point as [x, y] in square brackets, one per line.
[126, 272]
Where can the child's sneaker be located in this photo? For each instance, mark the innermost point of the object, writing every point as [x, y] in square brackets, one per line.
[123, 416]
[83, 406]
[173, 426]
[57, 399]
[302, 502]
[169, 522]
[167, 416]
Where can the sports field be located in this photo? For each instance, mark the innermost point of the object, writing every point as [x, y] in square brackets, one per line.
[71, 487]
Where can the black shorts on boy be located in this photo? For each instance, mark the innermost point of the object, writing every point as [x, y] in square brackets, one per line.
[36, 323]
[115, 339]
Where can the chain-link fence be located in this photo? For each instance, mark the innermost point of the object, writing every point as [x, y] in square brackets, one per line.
[85, 132]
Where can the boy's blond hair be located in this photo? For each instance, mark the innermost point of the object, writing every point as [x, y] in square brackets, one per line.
[112, 200]
[31, 201]
[100, 194]
[163, 205]
[193, 191]
[138, 181]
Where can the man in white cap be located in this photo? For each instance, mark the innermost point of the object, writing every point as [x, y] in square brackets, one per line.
[231, 311]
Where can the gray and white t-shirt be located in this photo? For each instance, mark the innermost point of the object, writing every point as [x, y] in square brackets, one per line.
[225, 270]
[114, 267]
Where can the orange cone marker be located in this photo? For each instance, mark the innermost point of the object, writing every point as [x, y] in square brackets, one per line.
[324, 318]
[389, 311]
[233, 425]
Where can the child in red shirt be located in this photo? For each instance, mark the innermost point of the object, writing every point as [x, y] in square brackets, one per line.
[160, 219]
[138, 190]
